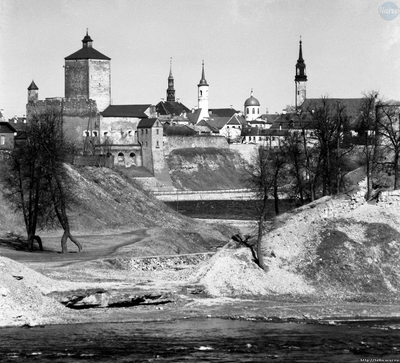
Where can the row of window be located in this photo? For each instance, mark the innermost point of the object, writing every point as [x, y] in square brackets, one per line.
[252, 110]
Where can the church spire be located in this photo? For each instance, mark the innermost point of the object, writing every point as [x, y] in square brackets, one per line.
[300, 79]
[171, 89]
[203, 81]
[300, 66]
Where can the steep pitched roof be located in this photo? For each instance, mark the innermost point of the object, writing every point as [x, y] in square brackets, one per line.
[206, 124]
[178, 130]
[222, 112]
[194, 116]
[218, 122]
[126, 111]
[6, 127]
[171, 108]
[147, 123]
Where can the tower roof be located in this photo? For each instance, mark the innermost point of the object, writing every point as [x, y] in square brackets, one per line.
[251, 101]
[300, 66]
[300, 60]
[203, 81]
[87, 51]
[32, 86]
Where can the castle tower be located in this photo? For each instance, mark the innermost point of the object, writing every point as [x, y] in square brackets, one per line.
[300, 79]
[203, 95]
[171, 89]
[88, 75]
[251, 108]
[33, 92]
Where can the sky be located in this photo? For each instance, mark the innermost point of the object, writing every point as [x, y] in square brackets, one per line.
[348, 48]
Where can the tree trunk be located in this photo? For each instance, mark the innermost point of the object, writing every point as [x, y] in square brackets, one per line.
[260, 256]
[396, 170]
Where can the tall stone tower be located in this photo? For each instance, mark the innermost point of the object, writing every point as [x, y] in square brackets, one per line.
[88, 75]
[203, 96]
[300, 79]
[33, 92]
[171, 89]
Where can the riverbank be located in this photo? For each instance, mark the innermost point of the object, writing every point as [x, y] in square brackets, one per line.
[118, 286]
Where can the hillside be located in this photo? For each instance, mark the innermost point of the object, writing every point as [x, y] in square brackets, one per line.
[108, 201]
[207, 169]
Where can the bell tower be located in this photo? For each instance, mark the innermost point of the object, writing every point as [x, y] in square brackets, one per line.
[171, 89]
[203, 95]
[300, 79]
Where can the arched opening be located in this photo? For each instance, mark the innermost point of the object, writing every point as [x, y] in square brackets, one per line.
[121, 159]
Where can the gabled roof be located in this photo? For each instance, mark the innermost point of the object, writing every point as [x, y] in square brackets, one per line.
[234, 121]
[194, 116]
[147, 123]
[171, 108]
[4, 126]
[218, 122]
[204, 123]
[269, 117]
[222, 112]
[126, 111]
[178, 130]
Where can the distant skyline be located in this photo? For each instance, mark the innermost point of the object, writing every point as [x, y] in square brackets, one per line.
[246, 44]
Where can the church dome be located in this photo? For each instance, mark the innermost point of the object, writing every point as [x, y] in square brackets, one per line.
[251, 101]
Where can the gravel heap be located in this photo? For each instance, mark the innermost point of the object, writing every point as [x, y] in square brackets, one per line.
[22, 296]
[233, 273]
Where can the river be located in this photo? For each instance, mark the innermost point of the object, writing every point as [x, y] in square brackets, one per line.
[204, 340]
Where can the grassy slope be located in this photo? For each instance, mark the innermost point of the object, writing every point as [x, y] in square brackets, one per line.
[206, 169]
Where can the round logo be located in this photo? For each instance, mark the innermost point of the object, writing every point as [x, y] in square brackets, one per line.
[388, 11]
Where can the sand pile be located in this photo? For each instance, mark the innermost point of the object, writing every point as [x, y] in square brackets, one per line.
[233, 273]
[22, 299]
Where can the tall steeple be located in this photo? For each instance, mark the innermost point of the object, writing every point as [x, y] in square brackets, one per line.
[300, 78]
[171, 89]
[203, 95]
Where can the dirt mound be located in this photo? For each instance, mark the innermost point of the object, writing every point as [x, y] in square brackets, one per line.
[207, 169]
[233, 273]
[341, 246]
[22, 299]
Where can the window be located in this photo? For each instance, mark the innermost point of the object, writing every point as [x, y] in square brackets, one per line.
[157, 132]
[105, 133]
[86, 133]
[254, 110]
[132, 155]
[157, 144]
[147, 131]
[142, 131]
[95, 133]
[2, 140]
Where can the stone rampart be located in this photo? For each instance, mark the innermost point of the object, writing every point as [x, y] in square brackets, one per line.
[198, 141]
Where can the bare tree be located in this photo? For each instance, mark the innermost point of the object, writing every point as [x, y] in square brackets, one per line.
[36, 177]
[387, 118]
[265, 176]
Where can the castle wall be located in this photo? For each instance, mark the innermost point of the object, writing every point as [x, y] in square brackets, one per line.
[78, 116]
[100, 82]
[119, 130]
[183, 142]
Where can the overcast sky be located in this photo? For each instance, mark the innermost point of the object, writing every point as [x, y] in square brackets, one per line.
[246, 44]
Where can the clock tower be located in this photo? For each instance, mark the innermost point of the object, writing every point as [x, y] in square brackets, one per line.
[300, 79]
